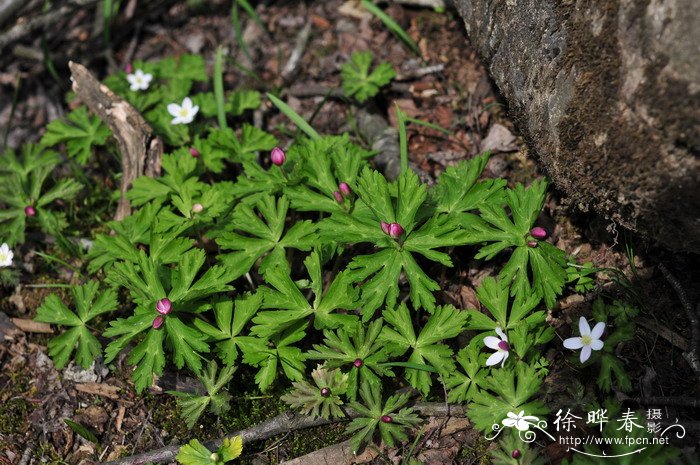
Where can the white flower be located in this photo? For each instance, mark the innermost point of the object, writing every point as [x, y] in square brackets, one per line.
[139, 80]
[520, 421]
[500, 345]
[589, 340]
[5, 256]
[183, 114]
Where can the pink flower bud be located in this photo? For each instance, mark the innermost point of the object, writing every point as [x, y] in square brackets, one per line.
[338, 196]
[532, 244]
[539, 233]
[385, 227]
[277, 156]
[194, 152]
[163, 306]
[325, 392]
[358, 362]
[387, 419]
[197, 207]
[29, 211]
[516, 454]
[503, 345]
[129, 68]
[345, 189]
[395, 230]
[158, 321]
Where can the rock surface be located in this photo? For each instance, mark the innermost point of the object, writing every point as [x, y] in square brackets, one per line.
[608, 95]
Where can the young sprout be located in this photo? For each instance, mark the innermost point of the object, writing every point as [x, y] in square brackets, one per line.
[139, 80]
[500, 345]
[29, 211]
[589, 339]
[277, 156]
[183, 114]
[6, 255]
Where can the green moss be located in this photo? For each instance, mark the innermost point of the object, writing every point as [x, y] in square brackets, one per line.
[46, 454]
[13, 415]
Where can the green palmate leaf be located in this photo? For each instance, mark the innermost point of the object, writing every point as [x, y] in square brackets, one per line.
[371, 412]
[149, 281]
[23, 183]
[463, 385]
[277, 352]
[399, 337]
[358, 82]
[263, 236]
[493, 294]
[323, 399]
[180, 168]
[351, 346]
[229, 325]
[79, 131]
[506, 391]
[546, 263]
[458, 190]
[380, 272]
[195, 453]
[226, 145]
[88, 304]
[217, 398]
[291, 306]
[325, 163]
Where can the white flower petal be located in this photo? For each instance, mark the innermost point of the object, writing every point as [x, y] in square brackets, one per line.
[491, 342]
[573, 343]
[174, 109]
[496, 358]
[195, 110]
[509, 422]
[501, 334]
[597, 344]
[583, 327]
[598, 330]
[177, 120]
[505, 357]
[513, 415]
[187, 103]
[522, 425]
[585, 353]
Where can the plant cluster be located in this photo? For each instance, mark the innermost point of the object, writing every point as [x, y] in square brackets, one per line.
[306, 258]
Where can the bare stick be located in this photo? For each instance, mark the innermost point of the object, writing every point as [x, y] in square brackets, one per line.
[140, 151]
[283, 423]
[297, 53]
[692, 356]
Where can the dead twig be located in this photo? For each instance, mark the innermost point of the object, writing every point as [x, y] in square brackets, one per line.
[419, 72]
[692, 356]
[281, 424]
[297, 53]
[141, 151]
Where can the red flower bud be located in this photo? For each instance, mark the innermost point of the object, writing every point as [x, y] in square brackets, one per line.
[532, 244]
[158, 321]
[29, 211]
[345, 189]
[129, 68]
[387, 419]
[539, 233]
[194, 152]
[338, 196]
[516, 454]
[395, 230]
[358, 362]
[385, 227]
[325, 392]
[277, 156]
[163, 306]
